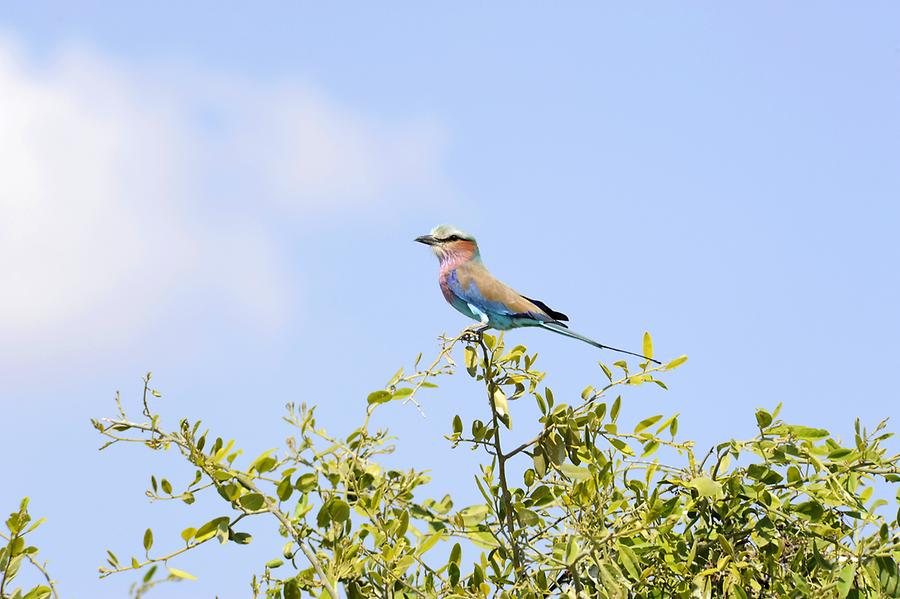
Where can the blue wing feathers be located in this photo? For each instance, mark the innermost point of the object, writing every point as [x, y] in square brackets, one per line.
[472, 295]
[501, 315]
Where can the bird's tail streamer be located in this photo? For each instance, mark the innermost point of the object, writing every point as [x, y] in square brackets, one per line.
[558, 328]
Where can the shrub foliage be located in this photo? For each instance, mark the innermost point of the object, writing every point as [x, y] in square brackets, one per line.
[585, 508]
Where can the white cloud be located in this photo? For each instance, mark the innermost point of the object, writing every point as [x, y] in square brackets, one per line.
[123, 191]
[317, 154]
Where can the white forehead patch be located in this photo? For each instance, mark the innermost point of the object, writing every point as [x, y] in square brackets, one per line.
[445, 231]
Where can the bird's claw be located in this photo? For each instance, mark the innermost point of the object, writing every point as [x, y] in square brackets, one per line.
[472, 336]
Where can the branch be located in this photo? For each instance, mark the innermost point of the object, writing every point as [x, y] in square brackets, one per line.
[501, 461]
[295, 534]
[165, 558]
[272, 507]
[432, 371]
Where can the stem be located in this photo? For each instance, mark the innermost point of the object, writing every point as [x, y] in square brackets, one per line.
[46, 574]
[501, 462]
[432, 371]
[165, 558]
[9, 559]
[5, 571]
[304, 546]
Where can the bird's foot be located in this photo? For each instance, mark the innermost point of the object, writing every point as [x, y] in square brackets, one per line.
[474, 334]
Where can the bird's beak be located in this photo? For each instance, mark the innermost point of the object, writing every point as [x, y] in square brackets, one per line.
[426, 239]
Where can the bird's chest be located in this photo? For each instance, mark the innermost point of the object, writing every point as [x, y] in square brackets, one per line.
[449, 281]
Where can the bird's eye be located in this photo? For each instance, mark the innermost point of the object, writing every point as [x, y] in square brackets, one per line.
[453, 238]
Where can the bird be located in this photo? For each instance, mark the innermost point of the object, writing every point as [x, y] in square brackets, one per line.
[469, 287]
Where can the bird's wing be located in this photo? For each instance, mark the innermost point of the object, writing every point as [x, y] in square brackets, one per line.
[475, 285]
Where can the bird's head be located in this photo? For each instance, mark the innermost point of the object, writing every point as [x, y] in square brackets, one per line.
[448, 242]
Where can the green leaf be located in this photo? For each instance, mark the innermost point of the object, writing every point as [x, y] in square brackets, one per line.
[209, 529]
[528, 477]
[737, 591]
[473, 514]
[38, 592]
[180, 574]
[323, 517]
[252, 501]
[37, 523]
[149, 573]
[402, 523]
[621, 446]
[223, 532]
[840, 453]
[499, 402]
[379, 397]
[666, 423]
[187, 534]
[706, 486]
[571, 552]
[453, 572]
[285, 489]
[606, 371]
[306, 482]
[429, 542]
[763, 473]
[471, 360]
[290, 589]
[483, 539]
[457, 425]
[455, 554]
[540, 464]
[401, 393]
[629, 560]
[148, 539]
[763, 418]
[241, 538]
[648, 345]
[339, 510]
[527, 517]
[646, 423]
[676, 362]
[638, 379]
[614, 412]
[811, 509]
[801, 432]
[575, 472]
[845, 580]
[649, 448]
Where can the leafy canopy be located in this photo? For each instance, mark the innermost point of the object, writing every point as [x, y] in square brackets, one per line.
[585, 508]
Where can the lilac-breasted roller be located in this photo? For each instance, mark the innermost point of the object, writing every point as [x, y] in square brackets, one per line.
[470, 288]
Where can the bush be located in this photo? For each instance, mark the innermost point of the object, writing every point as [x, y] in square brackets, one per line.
[17, 550]
[591, 511]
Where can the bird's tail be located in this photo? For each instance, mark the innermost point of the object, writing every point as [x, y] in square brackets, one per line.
[562, 330]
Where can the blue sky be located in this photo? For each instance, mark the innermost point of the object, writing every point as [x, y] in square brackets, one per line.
[228, 198]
